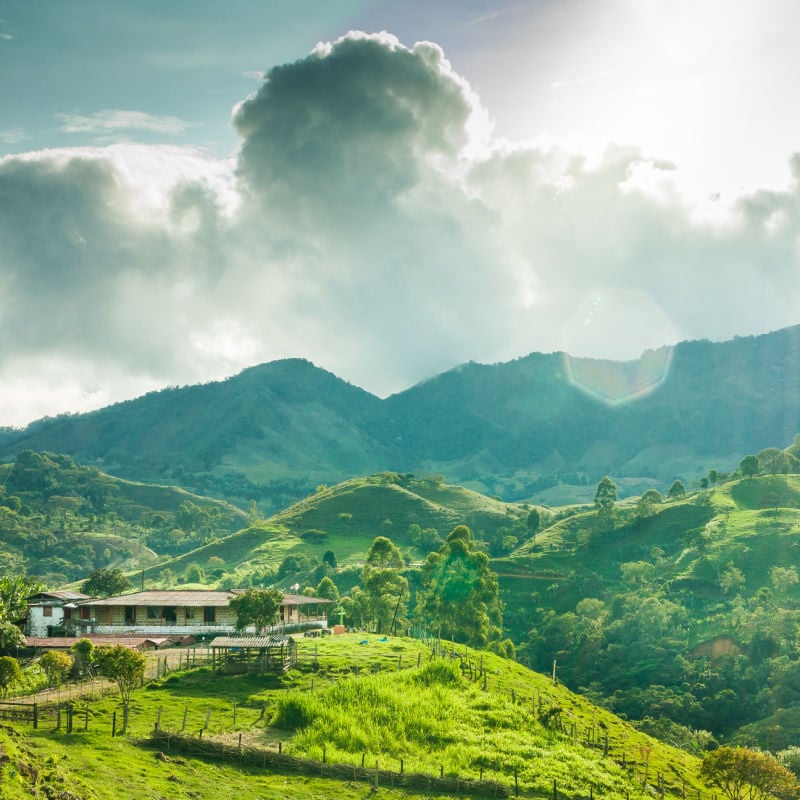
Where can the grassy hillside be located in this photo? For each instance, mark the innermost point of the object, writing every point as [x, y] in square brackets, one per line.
[540, 428]
[386, 700]
[689, 613]
[59, 520]
[346, 518]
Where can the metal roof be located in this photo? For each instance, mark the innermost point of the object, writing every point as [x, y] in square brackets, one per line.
[302, 600]
[193, 598]
[57, 595]
[188, 597]
[274, 640]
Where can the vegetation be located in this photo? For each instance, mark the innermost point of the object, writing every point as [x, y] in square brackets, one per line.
[460, 595]
[478, 424]
[125, 667]
[476, 713]
[104, 582]
[740, 773]
[258, 607]
[61, 521]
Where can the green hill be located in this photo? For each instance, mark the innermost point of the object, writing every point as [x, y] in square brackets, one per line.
[466, 716]
[59, 520]
[689, 613]
[540, 428]
[345, 519]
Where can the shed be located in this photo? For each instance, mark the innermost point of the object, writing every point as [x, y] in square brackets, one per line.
[241, 654]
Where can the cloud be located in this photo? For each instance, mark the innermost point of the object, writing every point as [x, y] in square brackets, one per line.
[12, 135]
[370, 223]
[117, 119]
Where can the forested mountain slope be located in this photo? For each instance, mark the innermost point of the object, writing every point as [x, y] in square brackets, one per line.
[542, 427]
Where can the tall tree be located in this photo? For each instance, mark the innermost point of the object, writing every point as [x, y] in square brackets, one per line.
[258, 607]
[604, 502]
[385, 587]
[460, 594]
[676, 491]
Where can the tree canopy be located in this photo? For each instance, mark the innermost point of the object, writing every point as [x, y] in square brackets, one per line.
[742, 773]
[104, 582]
[460, 594]
[123, 666]
[604, 499]
[385, 588]
[258, 607]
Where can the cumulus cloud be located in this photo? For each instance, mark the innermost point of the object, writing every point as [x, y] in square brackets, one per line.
[370, 223]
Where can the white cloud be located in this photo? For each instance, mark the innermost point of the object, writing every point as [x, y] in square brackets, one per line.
[118, 119]
[12, 135]
[370, 224]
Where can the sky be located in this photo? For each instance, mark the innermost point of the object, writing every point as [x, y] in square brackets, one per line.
[388, 189]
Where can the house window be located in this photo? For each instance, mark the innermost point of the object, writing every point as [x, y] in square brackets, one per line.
[153, 612]
[170, 614]
[209, 615]
[130, 615]
[86, 612]
[47, 611]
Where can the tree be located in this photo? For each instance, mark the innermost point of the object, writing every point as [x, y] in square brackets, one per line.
[460, 593]
[647, 503]
[732, 580]
[329, 558]
[604, 499]
[194, 574]
[257, 607]
[10, 673]
[773, 461]
[105, 581]
[383, 554]
[11, 637]
[126, 668]
[326, 589]
[56, 666]
[533, 521]
[741, 773]
[83, 657]
[783, 578]
[386, 589]
[14, 594]
[676, 491]
[748, 466]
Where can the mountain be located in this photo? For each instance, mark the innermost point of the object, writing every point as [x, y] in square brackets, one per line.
[543, 427]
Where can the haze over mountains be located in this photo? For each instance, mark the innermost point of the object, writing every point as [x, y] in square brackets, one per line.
[520, 429]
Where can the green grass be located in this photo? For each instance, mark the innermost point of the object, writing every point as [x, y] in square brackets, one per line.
[353, 699]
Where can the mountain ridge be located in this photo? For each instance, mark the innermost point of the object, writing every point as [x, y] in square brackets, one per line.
[516, 429]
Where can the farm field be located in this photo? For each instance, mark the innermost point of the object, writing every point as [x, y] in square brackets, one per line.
[445, 712]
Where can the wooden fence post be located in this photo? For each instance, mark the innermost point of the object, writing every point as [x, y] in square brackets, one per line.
[86, 718]
[234, 713]
[113, 724]
[185, 712]
[35, 716]
[555, 790]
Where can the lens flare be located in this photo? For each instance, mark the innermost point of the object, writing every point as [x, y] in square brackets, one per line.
[603, 344]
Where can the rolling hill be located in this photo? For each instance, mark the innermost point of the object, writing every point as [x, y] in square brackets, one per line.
[543, 427]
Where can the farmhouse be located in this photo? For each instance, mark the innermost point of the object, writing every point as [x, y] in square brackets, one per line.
[49, 610]
[187, 612]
